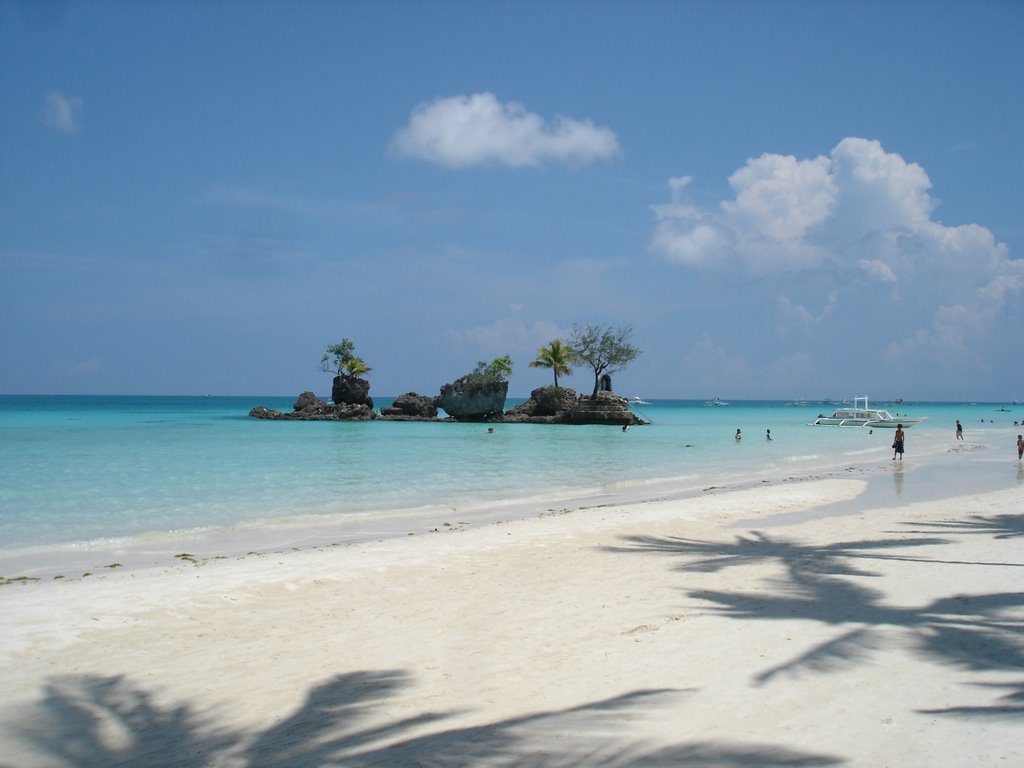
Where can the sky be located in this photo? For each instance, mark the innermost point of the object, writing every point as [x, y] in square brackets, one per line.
[782, 200]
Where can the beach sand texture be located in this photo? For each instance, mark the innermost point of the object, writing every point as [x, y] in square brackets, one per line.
[721, 630]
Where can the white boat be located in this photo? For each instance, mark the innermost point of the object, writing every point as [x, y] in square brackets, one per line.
[716, 401]
[863, 416]
[637, 400]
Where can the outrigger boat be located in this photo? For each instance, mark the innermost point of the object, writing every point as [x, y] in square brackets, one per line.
[863, 416]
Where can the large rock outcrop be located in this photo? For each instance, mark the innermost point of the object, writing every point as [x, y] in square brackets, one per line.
[604, 408]
[560, 405]
[351, 390]
[309, 407]
[467, 399]
[411, 406]
[547, 405]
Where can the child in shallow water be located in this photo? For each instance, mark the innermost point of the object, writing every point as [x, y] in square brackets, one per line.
[897, 444]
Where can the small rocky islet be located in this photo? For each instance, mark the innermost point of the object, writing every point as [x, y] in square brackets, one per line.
[464, 400]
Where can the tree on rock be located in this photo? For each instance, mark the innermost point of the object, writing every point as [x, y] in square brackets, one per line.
[341, 358]
[498, 370]
[605, 349]
[555, 356]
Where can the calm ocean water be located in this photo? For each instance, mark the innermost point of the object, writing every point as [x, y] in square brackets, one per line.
[86, 469]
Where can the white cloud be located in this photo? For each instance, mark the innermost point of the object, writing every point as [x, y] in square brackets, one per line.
[779, 201]
[857, 217]
[62, 111]
[800, 316]
[692, 237]
[779, 198]
[877, 269]
[800, 214]
[879, 191]
[465, 131]
[678, 184]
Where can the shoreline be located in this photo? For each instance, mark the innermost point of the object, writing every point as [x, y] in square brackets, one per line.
[744, 626]
[163, 549]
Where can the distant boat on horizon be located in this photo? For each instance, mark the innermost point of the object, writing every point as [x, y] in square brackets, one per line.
[716, 401]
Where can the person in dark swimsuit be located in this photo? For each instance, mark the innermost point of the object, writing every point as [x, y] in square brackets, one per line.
[897, 444]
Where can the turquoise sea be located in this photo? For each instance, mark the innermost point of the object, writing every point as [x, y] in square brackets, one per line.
[80, 470]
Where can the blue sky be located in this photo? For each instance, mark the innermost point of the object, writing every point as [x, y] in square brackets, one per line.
[786, 199]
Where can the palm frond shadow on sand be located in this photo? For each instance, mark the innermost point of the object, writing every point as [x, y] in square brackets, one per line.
[1000, 526]
[972, 632]
[87, 722]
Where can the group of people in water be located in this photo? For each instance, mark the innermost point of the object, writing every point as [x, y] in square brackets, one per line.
[1020, 438]
[767, 435]
[899, 440]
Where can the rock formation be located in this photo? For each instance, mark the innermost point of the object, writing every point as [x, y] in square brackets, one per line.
[411, 406]
[473, 402]
[309, 407]
[466, 399]
[351, 390]
[560, 405]
[547, 405]
[604, 408]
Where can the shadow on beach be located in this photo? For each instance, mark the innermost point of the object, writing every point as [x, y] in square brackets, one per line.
[901, 485]
[977, 633]
[999, 526]
[109, 721]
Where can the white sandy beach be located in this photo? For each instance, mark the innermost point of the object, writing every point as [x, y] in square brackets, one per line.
[736, 628]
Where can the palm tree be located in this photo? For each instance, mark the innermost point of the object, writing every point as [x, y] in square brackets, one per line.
[555, 356]
[357, 367]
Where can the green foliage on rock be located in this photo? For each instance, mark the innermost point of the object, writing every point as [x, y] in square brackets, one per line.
[496, 371]
[341, 358]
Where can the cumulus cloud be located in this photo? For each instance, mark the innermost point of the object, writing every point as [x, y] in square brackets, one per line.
[62, 111]
[465, 131]
[861, 217]
[793, 214]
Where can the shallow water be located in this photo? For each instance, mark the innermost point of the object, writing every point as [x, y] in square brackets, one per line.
[89, 469]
